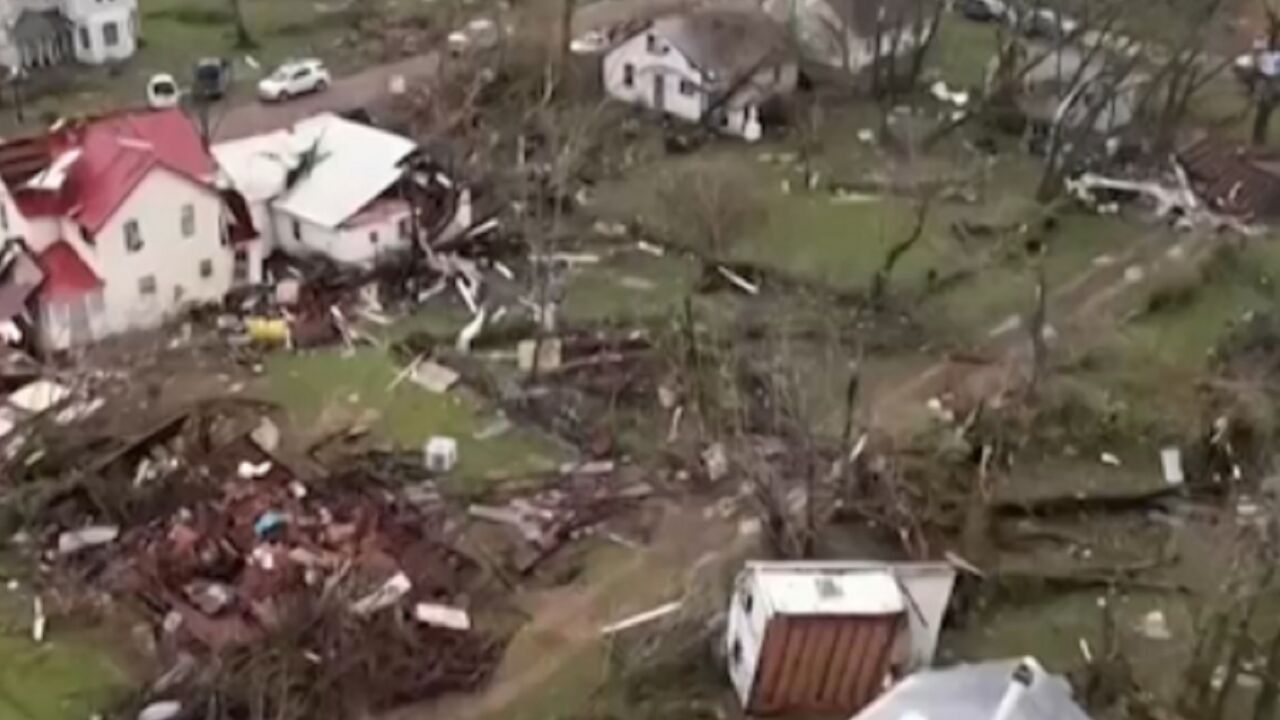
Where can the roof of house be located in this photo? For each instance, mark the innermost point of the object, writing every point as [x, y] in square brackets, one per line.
[725, 43]
[351, 165]
[40, 25]
[1234, 178]
[801, 589]
[65, 273]
[88, 170]
[974, 692]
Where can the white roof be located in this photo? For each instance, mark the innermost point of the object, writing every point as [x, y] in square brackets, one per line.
[802, 589]
[357, 163]
[975, 692]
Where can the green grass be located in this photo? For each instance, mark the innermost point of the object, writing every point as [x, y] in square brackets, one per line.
[629, 286]
[69, 676]
[962, 51]
[320, 389]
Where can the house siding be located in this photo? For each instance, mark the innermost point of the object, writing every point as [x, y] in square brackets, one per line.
[350, 246]
[665, 62]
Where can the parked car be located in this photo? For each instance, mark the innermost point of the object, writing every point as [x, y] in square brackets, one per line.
[294, 78]
[983, 10]
[163, 91]
[211, 79]
[1047, 24]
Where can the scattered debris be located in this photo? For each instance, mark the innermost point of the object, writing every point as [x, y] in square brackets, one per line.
[1171, 465]
[643, 618]
[444, 616]
[440, 454]
[434, 377]
[71, 542]
[1155, 627]
[1110, 459]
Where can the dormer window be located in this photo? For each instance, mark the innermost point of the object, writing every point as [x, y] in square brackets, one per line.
[651, 43]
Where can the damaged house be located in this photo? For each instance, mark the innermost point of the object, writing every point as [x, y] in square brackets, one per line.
[823, 638]
[1234, 179]
[121, 217]
[44, 33]
[333, 187]
[716, 67]
[848, 35]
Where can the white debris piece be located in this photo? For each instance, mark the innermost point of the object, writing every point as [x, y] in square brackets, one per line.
[1109, 459]
[716, 462]
[389, 594]
[440, 454]
[1155, 627]
[738, 281]
[549, 354]
[71, 542]
[39, 621]
[1171, 464]
[266, 435]
[434, 377]
[253, 471]
[163, 710]
[442, 616]
[471, 331]
[38, 396]
[645, 617]
[288, 292]
[939, 90]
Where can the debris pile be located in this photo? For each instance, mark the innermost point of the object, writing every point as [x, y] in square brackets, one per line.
[540, 524]
[235, 556]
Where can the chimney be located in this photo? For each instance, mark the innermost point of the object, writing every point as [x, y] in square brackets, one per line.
[1019, 683]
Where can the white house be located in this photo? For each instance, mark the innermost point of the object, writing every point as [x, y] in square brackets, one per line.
[822, 638]
[1017, 689]
[714, 66]
[843, 34]
[42, 33]
[327, 186]
[124, 221]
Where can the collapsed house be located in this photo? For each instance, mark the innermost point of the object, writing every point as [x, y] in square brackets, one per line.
[122, 218]
[823, 637]
[335, 187]
[1001, 690]
[848, 35]
[717, 67]
[1234, 179]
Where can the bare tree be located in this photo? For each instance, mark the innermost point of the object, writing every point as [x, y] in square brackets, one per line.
[880, 280]
[244, 40]
[712, 206]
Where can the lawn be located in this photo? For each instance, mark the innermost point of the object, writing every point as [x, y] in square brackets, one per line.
[321, 390]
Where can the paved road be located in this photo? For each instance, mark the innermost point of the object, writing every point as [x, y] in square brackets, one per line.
[361, 90]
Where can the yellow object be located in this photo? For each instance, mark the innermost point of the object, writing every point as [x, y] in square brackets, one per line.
[269, 331]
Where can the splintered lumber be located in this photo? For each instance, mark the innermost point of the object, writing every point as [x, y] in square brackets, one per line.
[1079, 503]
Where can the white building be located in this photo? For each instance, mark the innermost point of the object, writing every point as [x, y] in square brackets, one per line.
[124, 221]
[842, 34]
[998, 690]
[327, 186]
[712, 66]
[822, 638]
[42, 33]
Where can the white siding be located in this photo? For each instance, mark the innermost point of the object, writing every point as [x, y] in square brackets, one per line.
[92, 18]
[351, 246]
[12, 222]
[172, 260]
[663, 67]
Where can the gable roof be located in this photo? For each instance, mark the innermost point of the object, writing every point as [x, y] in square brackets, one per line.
[726, 44]
[354, 164]
[65, 273]
[86, 171]
[1234, 179]
[975, 692]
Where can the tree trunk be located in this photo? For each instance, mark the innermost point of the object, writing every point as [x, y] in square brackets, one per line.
[880, 281]
[1262, 116]
[1036, 324]
[243, 39]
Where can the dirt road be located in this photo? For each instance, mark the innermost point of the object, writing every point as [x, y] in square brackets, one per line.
[362, 90]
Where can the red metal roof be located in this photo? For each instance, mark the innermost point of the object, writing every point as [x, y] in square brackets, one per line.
[116, 153]
[65, 273]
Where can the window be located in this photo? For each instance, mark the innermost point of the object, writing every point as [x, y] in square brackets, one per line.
[147, 285]
[735, 654]
[206, 269]
[4, 216]
[240, 269]
[629, 75]
[188, 220]
[651, 43]
[85, 40]
[111, 34]
[132, 236]
[297, 230]
[406, 229]
[687, 88]
[747, 603]
[373, 237]
[302, 74]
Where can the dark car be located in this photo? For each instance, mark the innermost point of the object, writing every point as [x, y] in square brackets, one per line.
[982, 10]
[211, 79]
